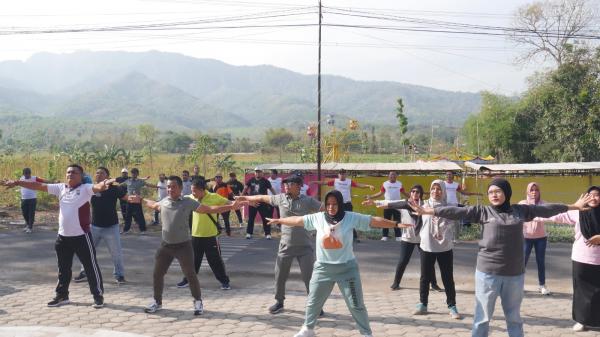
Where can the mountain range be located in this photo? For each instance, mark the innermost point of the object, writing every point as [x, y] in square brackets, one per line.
[179, 92]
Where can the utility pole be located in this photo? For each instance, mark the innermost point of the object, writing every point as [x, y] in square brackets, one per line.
[319, 154]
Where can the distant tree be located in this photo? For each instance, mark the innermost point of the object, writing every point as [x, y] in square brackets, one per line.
[548, 28]
[278, 138]
[148, 133]
[202, 147]
[402, 125]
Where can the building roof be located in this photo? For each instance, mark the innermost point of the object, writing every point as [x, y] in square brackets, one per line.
[583, 167]
[435, 166]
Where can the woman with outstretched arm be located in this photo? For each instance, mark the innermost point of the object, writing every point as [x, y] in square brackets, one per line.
[500, 261]
[335, 259]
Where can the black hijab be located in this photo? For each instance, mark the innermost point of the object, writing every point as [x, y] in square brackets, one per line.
[589, 221]
[504, 185]
[334, 219]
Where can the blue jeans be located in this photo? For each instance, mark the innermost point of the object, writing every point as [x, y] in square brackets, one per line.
[487, 288]
[113, 242]
[540, 256]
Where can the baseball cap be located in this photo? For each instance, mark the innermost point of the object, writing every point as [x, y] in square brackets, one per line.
[124, 170]
[342, 170]
[294, 179]
[257, 169]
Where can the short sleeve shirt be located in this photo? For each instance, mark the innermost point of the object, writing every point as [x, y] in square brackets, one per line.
[344, 186]
[351, 221]
[134, 186]
[27, 193]
[303, 205]
[104, 212]
[276, 184]
[392, 190]
[174, 216]
[187, 187]
[258, 186]
[202, 225]
[74, 217]
[451, 189]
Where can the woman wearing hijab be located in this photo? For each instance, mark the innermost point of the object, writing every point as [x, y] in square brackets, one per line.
[500, 262]
[586, 261]
[536, 236]
[410, 236]
[335, 259]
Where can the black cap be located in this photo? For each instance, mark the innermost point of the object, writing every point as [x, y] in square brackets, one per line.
[294, 179]
[342, 170]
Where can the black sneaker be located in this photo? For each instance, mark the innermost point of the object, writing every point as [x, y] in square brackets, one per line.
[120, 280]
[82, 277]
[436, 288]
[276, 308]
[322, 313]
[98, 302]
[395, 286]
[183, 284]
[58, 301]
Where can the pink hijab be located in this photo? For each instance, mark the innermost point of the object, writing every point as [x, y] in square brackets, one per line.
[531, 201]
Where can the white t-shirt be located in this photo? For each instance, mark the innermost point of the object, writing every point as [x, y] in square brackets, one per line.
[187, 187]
[75, 213]
[27, 193]
[276, 184]
[162, 190]
[451, 189]
[392, 190]
[344, 187]
[304, 190]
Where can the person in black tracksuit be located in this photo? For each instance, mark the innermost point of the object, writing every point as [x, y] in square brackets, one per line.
[74, 237]
[259, 185]
[236, 187]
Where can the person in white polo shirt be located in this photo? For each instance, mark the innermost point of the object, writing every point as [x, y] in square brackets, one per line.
[74, 237]
[391, 190]
[29, 200]
[276, 183]
[453, 187]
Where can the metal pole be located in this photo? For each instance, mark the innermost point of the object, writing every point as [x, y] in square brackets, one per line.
[319, 154]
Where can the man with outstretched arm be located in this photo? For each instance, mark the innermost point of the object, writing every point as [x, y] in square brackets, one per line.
[296, 242]
[176, 240]
[74, 237]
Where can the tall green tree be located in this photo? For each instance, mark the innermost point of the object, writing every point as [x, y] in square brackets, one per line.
[148, 134]
[402, 125]
[279, 139]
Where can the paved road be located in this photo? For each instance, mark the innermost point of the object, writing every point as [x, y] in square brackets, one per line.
[28, 276]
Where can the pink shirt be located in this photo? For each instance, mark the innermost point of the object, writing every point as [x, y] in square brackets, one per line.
[581, 253]
[533, 229]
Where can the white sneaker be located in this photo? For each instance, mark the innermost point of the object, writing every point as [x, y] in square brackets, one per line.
[398, 238]
[28, 230]
[198, 307]
[384, 238]
[544, 290]
[152, 307]
[305, 332]
[268, 237]
[248, 236]
[578, 327]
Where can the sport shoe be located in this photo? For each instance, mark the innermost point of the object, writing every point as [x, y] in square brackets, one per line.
[124, 232]
[248, 236]
[276, 308]
[544, 291]
[421, 309]
[28, 230]
[268, 237]
[322, 313]
[98, 302]
[82, 277]
[578, 327]
[225, 286]
[58, 301]
[198, 307]
[398, 238]
[436, 288]
[395, 287]
[305, 332]
[120, 280]
[454, 312]
[152, 307]
[183, 283]
[384, 238]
